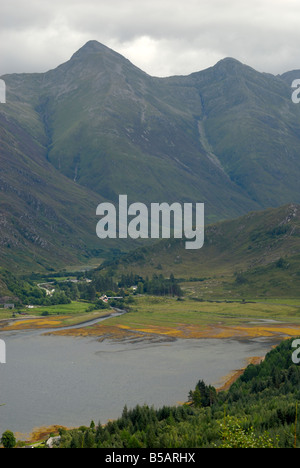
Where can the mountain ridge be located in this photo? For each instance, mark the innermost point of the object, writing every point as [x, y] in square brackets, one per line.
[227, 136]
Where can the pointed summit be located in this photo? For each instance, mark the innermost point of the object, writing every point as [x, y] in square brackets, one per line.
[91, 47]
[230, 65]
[96, 48]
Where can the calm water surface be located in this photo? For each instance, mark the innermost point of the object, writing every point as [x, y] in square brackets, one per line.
[71, 381]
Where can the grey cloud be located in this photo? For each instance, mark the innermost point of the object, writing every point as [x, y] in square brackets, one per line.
[163, 37]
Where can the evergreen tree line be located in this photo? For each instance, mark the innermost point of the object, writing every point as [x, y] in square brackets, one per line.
[101, 283]
[158, 285]
[87, 287]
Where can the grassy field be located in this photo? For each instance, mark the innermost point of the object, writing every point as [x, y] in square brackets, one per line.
[226, 288]
[74, 308]
[58, 316]
[185, 318]
[189, 318]
[168, 311]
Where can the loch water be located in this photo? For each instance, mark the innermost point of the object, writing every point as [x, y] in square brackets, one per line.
[71, 381]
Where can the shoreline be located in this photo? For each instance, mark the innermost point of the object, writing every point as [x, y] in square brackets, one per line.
[33, 322]
[126, 333]
[104, 332]
[120, 332]
[41, 434]
[234, 375]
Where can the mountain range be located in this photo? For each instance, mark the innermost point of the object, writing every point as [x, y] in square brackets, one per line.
[97, 126]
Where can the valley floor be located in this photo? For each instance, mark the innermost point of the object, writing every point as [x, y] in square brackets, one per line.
[152, 318]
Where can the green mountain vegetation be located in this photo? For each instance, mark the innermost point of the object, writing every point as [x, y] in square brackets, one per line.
[97, 126]
[258, 411]
[256, 255]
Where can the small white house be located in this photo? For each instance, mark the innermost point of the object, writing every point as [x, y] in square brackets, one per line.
[106, 299]
[53, 441]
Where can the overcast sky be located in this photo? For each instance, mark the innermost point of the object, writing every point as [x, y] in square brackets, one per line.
[162, 37]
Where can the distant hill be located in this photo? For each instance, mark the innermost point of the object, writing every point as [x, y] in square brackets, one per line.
[254, 255]
[97, 126]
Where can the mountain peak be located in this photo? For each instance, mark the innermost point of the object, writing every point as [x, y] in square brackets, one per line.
[91, 47]
[229, 63]
[230, 67]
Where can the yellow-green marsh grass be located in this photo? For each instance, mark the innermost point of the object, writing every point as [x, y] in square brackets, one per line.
[59, 316]
[194, 319]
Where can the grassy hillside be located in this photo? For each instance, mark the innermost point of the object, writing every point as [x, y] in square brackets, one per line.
[47, 221]
[252, 256]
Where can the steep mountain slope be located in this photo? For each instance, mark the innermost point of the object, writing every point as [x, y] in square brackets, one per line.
[253, 128]
[46, 220]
